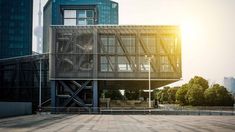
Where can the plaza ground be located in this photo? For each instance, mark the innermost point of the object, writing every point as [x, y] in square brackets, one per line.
[117, 123]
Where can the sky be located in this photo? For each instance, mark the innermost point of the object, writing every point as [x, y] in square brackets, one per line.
[208, 32]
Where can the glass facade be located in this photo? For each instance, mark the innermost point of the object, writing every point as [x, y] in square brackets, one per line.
[78, 17]
[78, 12]
[20, 77]
[15, 28]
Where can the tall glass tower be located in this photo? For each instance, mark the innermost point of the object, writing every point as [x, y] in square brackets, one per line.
[78, 12]
[15, 28]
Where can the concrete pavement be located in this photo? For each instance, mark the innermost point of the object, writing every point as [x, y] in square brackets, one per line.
[117, 123]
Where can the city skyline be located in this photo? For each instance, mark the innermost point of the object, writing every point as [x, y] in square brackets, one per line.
[207, 32]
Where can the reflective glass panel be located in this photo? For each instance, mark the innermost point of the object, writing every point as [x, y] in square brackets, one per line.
[81, 13]
[81, 22]
[69, 13]
[90, 13]
[71, 22]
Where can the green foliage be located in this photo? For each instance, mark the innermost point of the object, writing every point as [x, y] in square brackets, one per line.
[156, 91]
[162, 96]
[192, 93]
[200, 81]
[171, 94]
[180, 94]
[210, 96]
[195, 95]
[218, 96]
[114, 95]
[132, 94]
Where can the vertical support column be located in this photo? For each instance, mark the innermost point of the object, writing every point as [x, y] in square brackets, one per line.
[95, 53]
[40, 85]
[95, 95]
[95, 70]
[53, 96]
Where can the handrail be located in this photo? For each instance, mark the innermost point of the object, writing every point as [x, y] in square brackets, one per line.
[138, 110]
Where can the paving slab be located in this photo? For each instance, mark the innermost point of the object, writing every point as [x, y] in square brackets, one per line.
[117, 123]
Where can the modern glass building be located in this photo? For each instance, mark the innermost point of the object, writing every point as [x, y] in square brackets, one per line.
[229, 83]
[15, 28]
[78, 12]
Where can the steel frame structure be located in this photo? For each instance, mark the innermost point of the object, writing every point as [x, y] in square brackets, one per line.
[85, 59]
[103, 57]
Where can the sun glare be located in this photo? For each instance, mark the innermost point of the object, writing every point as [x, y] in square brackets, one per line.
[190, 33]
[190, 30]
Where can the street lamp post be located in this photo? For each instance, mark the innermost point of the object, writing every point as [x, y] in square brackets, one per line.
[149, 78]
[149, 60]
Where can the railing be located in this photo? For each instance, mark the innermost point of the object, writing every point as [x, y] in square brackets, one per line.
[140, 110]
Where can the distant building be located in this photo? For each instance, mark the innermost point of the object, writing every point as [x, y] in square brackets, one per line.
[229, 83]
[15, 28]
[38, 30]
[77, 12]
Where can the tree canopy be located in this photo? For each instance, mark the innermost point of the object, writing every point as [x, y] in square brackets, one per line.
[218, 96]
[180, 94]
[196, 92]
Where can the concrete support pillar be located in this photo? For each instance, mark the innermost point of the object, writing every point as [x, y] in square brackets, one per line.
[95, 95]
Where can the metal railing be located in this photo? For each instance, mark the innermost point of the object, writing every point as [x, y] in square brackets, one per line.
[140, 110]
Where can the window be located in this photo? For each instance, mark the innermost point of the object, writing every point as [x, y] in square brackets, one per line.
[104, 64]
[165, 64]
[78, 17]
[144, 66]
[71, 22]
[90, 13]
[150, 42]
[123, 64]
[170, 42]
[70, 17]
[70, 14]
[81, 14]
[129, 43]
[114, 5]
[108, 43]
[81, 22]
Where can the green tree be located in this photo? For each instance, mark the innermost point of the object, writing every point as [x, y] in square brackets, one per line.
[132, 94]
[114, 95]
[156, 91]
[159, 95]
[200, 81]
[181, 93]
[162, 96]
[171, 94]
[210, 95]
[218, 96]
[195, 95]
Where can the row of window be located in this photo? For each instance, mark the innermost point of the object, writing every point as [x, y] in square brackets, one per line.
[107, 64]
[110, 45]
[129, 44]
[79, 17]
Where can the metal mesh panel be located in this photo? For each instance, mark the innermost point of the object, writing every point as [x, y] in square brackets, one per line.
[114, 52]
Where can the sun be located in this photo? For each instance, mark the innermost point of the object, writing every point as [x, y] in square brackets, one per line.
[190, 30]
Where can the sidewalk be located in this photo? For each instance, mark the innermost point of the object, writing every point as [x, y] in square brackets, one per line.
[117, 123]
